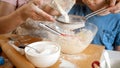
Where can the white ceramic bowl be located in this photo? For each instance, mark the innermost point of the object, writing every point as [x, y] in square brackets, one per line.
[49, 53]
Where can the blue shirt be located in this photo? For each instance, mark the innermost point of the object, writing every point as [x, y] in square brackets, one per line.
[108, 26]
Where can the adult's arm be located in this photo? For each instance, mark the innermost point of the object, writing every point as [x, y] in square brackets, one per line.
[9, 22]
[6, 8]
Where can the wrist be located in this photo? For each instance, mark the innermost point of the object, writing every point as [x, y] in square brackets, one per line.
[19, 16]
[21, 12]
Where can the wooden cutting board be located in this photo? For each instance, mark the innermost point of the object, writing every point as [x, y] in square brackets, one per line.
[81, 60]
[85, 59]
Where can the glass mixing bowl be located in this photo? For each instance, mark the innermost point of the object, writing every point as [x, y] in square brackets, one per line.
[80, 35]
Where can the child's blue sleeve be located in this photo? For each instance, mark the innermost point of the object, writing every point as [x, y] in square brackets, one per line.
[117, 40]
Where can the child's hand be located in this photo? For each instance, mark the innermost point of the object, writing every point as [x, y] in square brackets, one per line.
[114, 6]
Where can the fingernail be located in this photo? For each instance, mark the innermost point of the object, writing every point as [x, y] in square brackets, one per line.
[52, 19]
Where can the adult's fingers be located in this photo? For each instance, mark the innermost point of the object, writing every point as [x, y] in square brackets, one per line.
[42, 13]
[51, 10]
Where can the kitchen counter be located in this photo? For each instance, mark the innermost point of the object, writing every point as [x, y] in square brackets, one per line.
[84, 59]
[110, 59]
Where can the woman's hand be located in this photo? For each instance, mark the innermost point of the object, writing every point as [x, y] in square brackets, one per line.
[35, 10]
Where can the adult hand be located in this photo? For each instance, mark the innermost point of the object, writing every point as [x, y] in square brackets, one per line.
[34, 10]
[114, 6]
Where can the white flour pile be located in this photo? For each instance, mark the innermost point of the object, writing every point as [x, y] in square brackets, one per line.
[44, 50]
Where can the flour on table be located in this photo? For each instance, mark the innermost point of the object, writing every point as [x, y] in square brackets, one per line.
[67, 64]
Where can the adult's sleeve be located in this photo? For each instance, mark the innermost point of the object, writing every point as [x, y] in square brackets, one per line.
[13, 2]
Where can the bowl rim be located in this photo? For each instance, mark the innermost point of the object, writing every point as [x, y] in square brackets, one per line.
[58, 47]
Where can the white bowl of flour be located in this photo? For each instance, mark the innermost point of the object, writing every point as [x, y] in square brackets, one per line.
[49, 53]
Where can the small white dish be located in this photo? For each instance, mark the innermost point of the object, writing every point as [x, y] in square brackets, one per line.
[49, 53]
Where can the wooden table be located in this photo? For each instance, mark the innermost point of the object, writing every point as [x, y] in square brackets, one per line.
[82, 60]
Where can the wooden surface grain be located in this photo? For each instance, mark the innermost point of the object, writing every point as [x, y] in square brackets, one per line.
[81, 60]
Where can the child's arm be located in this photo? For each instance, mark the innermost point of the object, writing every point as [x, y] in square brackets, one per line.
[117, 48]
[115, 6]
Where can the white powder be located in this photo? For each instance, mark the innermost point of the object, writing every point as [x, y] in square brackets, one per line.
[77, 44]
[67, 64]
[71, 26]
[43, 49]
[75, 23]
[63, 12]
[75, 57]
